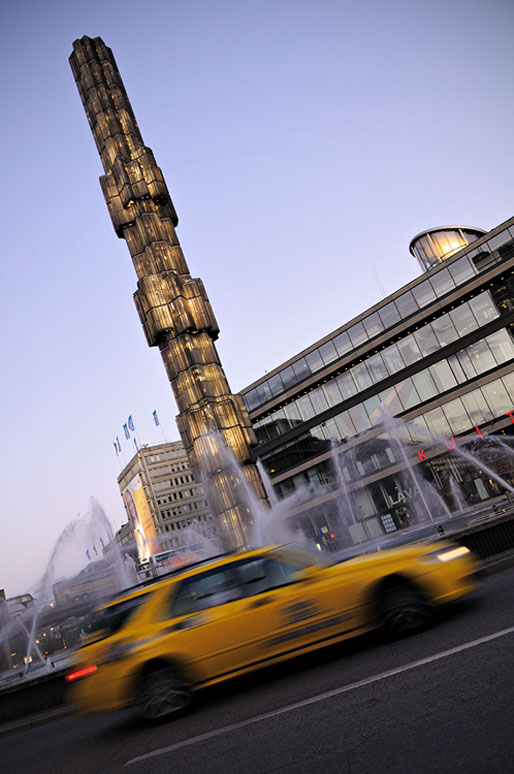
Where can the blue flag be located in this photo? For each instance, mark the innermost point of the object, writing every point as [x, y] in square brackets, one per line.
[118, 442]
[127, 434]
[130, 423]
[155, 418]
[88, 555]
[115, 448]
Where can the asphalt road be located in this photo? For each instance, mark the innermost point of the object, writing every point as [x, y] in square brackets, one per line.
[440, 701]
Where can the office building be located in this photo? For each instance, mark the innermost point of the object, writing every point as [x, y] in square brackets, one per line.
[438, 354]
[165, 494]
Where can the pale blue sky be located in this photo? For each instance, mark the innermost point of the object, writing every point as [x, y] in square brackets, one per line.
[303, 142]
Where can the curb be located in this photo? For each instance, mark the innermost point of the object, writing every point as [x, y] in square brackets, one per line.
[34, 721]
[496, 563]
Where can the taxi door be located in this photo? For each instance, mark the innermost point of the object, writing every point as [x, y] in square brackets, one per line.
[298, 608]
[209, 624]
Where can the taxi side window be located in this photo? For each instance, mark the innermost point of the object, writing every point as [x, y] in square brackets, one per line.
[264, 574]
[208, 589]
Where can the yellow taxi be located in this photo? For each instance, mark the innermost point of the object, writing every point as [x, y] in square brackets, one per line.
[155, 645]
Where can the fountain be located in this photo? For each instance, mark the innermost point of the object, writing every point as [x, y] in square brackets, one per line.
[415, 498]
[87, 554]
[459, 503]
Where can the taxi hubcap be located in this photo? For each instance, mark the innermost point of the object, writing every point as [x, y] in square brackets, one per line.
[403, 610]
[163, 693]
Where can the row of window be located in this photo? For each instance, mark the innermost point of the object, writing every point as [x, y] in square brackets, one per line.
[198, 492]
[177, 495]
[442, 281]
[156, 472]
[465, 318]
[186, 523]
[173, 482]
[455, 417]
[172, 454]
[445, 375]
[185, 508]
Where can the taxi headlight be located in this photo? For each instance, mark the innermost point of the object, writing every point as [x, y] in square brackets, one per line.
[446, 554]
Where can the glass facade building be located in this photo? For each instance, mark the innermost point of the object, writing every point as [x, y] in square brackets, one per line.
[437, 354]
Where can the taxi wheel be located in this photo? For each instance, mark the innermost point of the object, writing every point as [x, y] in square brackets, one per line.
[402, 609]
[163, 692]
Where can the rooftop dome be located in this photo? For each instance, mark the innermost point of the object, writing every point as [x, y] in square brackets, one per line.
[435, 245]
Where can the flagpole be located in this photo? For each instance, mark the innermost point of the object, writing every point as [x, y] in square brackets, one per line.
[156, 421]
[117, 449]
[131, 426]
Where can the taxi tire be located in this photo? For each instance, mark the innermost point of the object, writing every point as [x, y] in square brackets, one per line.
[163, 692]
[402, 609]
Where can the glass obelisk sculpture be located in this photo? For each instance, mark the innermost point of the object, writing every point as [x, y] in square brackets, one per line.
[173, 307]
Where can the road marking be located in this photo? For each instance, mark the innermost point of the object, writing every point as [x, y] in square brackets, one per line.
[321, 696]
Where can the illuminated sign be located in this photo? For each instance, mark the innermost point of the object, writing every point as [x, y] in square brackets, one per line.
[140, 517]
[452, 443]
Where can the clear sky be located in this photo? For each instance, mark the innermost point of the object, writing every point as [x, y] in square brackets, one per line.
[304, 142]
